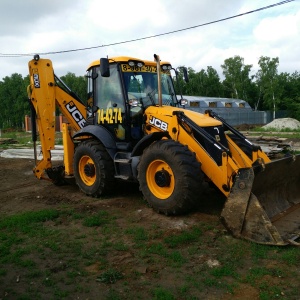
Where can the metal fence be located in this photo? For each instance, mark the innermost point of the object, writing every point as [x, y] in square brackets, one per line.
[234, 111]
[235, 117]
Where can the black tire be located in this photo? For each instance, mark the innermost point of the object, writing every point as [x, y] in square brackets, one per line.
[93, 169]
[170, 177]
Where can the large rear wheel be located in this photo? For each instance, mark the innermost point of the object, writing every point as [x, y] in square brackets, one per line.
[93, 168]
[170, 177]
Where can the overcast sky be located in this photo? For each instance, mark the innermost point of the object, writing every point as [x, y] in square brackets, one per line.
[42, 26]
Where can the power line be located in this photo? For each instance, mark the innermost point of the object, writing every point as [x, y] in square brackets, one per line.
[151, 36]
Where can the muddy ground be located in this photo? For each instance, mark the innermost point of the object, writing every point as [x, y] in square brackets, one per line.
[20, 191]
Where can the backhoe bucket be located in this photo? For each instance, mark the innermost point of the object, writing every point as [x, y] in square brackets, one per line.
[264, 203]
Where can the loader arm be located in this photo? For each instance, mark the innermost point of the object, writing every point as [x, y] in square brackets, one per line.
[232, 158]
[45, 96]
[254, 152]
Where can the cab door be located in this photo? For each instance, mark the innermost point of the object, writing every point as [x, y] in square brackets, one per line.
[109, 99]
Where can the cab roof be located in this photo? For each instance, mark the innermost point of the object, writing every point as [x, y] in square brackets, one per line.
[125, 59]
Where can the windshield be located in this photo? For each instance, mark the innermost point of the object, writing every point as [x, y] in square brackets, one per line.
[142, 86]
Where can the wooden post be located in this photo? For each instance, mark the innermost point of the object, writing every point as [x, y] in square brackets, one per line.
[27, 123]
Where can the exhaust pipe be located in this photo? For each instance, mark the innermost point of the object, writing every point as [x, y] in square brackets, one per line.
[159, 91]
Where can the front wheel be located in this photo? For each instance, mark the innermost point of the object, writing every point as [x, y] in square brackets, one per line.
[93, 168]
[170, 177]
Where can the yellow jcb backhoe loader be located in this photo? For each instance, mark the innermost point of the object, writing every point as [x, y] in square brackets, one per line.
[133, 128]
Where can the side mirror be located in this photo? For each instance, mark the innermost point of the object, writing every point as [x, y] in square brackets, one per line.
[185, 75]
[104, 67]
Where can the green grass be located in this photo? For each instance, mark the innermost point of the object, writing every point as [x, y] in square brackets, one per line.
[110, 276]
[23, 220]
[160, 293]
[21, 137]
[284, 133]
[69, 252]
[138, 234]
[24, 139]
[262, 129]
[185, 237]
[290, 256]
[98, 219]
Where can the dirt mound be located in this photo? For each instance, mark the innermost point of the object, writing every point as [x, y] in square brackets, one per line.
[283, 123]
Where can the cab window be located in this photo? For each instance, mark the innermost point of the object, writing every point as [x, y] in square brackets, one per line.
[108, 92]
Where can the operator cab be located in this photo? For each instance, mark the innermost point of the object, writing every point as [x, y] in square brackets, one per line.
[120, 89]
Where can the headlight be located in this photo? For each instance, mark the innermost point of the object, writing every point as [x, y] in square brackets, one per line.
[136, 63]
[133, 102]
[166, 67]
[183, 102]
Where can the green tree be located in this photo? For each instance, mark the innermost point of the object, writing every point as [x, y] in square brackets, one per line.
[290, 100]
[267, 81]
[237, 77]
[252, 93]
[14, 103]
[195, 85]
[213, 85]
[204, 83]
[181, 87]
[77, 84]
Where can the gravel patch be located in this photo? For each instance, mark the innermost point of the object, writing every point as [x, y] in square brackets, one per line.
[283, 123]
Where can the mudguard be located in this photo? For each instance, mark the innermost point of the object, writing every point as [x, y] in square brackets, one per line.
[102, 134]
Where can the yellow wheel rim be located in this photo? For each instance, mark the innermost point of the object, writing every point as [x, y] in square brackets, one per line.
[87, 170]
[160, 179]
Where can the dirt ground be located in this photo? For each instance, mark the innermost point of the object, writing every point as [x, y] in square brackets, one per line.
[20, 191]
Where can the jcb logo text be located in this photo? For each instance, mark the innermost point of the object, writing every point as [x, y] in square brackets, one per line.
[36, 80]
[75, 113]
[158, 123]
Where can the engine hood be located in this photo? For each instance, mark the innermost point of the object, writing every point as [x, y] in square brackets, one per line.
[202, 120]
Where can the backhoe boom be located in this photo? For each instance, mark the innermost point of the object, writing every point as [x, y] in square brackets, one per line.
[45, 96]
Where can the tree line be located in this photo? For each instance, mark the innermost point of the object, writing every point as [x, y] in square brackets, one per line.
[266, 90]
[14, 102]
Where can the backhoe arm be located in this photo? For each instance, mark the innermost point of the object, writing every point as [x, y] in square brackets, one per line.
[45, 96]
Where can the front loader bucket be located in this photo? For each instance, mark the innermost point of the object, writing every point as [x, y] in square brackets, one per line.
[264, 204]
